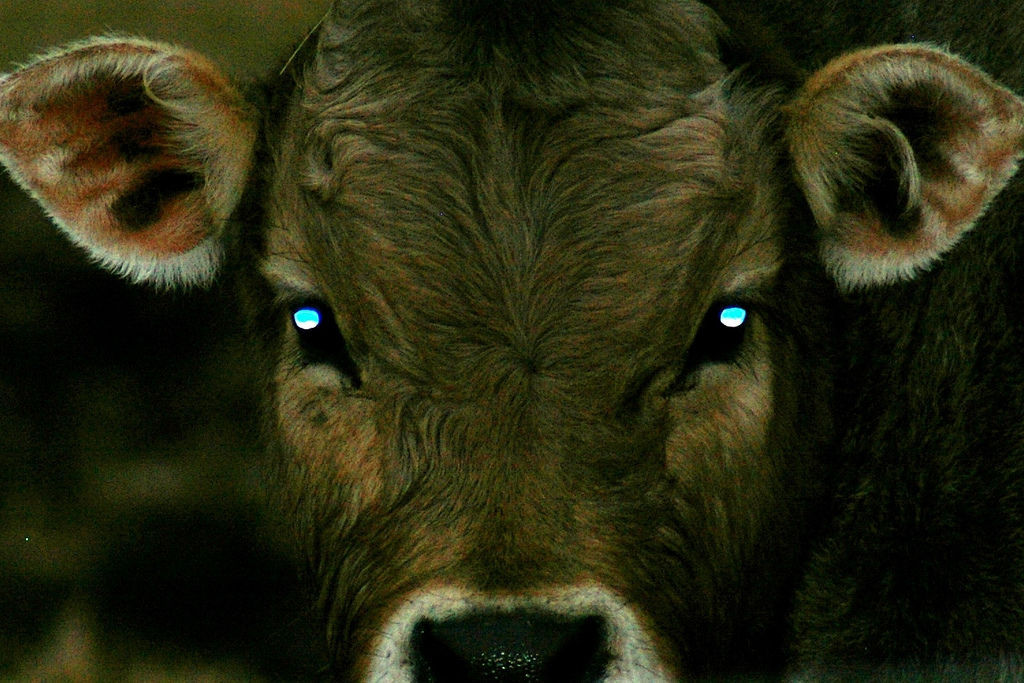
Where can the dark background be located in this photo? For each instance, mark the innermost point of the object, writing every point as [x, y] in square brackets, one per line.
[134, 541]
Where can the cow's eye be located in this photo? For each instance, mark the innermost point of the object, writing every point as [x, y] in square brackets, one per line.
[320, 339]
[719, 339]
[720, 335]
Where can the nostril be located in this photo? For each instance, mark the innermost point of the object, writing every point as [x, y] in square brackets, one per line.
[510, 646]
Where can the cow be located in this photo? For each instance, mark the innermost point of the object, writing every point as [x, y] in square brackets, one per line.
[603, 340]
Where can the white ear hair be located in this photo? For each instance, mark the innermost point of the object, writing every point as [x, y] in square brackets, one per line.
[899, 149]
[140, 152]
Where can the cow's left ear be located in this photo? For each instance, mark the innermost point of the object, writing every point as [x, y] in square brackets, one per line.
[899, 150]
[139, 151]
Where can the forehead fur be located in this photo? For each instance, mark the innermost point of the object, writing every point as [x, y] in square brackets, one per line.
[462, 213]
[554, 51]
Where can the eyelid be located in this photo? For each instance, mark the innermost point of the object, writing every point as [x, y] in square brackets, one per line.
[289, 297]
[287, 273]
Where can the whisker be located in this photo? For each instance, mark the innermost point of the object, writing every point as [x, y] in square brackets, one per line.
[305, 40]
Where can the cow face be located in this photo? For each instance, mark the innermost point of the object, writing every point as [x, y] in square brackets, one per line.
[544, 311]
[522, 391]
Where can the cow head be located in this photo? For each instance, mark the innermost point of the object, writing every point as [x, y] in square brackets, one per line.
[544, 305]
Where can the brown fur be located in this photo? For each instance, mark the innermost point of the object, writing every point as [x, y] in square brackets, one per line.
[520, 221]
[507, 274]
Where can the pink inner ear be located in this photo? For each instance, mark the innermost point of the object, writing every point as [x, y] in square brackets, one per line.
[139, 150]
[99, 155]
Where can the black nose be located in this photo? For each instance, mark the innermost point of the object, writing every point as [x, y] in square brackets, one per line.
[510, 646]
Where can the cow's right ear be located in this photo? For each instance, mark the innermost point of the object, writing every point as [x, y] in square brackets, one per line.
[898, 150]
[139, 151]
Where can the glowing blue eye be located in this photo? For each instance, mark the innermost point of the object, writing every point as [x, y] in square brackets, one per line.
[306, 318]
[732, 316]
